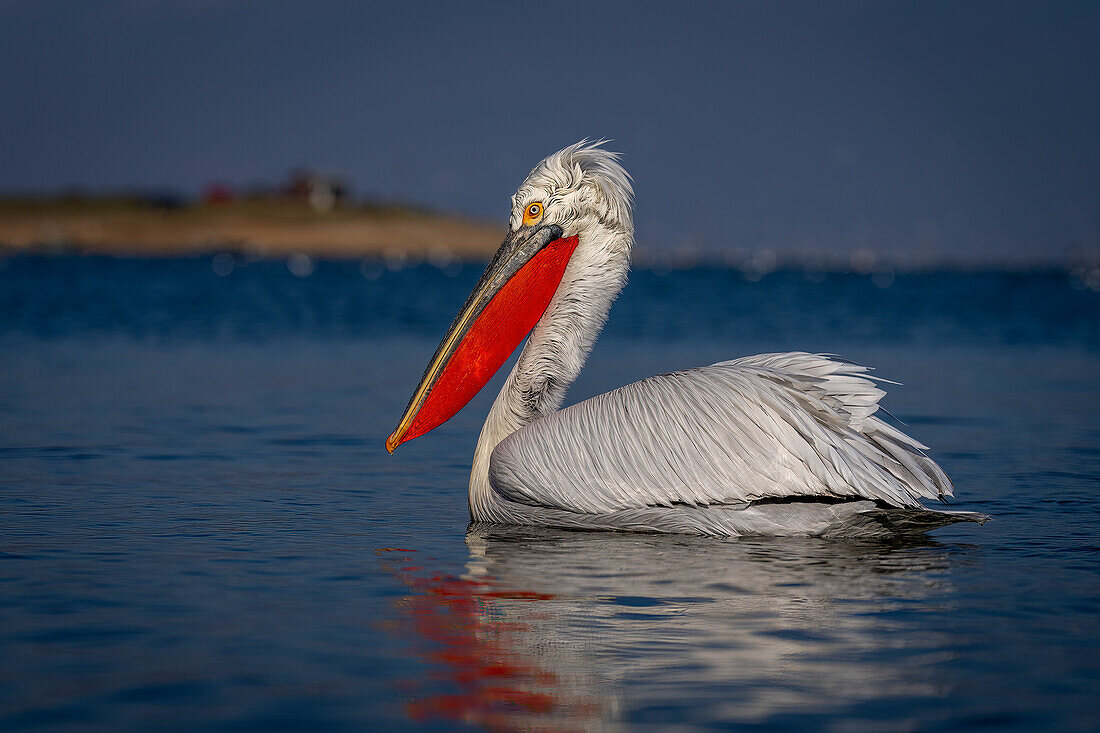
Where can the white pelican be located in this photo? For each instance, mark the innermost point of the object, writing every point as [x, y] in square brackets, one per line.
[775, 444]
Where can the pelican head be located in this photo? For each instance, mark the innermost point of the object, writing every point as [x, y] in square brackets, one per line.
[572, 213]
[578, 188]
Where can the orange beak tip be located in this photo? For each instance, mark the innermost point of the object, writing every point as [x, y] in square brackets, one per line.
[392, 442]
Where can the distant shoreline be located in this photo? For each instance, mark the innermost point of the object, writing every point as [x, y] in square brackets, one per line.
[134, 227]
[127, 229]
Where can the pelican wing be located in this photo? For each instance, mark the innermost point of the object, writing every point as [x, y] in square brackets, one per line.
[771, 426]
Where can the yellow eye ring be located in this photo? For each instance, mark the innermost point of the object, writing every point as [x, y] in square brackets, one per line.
[532, 214]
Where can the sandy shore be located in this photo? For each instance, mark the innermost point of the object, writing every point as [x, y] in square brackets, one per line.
[256, 229]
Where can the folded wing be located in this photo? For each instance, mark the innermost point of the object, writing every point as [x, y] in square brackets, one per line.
[772, 426]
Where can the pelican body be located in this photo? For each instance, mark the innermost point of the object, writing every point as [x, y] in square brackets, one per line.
[775, 444]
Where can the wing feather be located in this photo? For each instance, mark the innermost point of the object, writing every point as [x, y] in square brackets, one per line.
[762, 427]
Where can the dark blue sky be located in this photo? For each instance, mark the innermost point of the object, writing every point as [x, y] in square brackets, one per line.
[886, 125]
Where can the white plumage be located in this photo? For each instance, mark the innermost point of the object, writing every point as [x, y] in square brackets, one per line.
[763, 427]
[776, 444]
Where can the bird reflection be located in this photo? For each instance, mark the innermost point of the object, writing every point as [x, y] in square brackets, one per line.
[574, 631]
[461, 628]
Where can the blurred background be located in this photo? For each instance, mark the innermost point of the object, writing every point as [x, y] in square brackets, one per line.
[923, 133]
[232, 233]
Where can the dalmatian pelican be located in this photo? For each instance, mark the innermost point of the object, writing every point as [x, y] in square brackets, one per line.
[776, 444]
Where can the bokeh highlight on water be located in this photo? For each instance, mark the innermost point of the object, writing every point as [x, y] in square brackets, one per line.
[199, 526]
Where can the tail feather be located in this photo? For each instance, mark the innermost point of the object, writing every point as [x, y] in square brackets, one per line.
[879, 522]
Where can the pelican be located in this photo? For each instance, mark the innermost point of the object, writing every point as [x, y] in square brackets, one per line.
[776, 444]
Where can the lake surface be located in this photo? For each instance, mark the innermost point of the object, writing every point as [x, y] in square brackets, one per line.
[200, 527]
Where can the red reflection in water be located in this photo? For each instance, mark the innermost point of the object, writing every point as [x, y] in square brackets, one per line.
[464, 635]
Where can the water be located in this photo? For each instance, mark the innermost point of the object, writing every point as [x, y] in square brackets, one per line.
[200, 528]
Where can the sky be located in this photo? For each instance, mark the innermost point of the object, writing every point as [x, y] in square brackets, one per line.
[889, 126]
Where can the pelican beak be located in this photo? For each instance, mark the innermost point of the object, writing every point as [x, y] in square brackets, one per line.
[510, 298]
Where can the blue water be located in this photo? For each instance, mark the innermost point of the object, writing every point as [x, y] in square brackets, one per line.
[200, 528]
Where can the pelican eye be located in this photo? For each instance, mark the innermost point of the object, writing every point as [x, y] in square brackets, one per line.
[532, 214]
